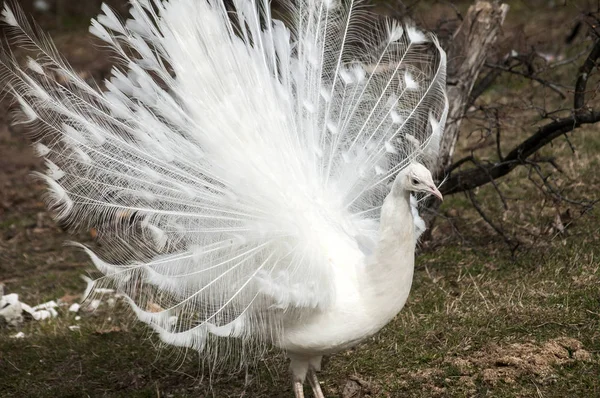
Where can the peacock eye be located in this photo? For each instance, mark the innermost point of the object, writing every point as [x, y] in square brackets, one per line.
[415, 181]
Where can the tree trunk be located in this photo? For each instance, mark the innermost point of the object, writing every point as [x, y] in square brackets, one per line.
[467, 53]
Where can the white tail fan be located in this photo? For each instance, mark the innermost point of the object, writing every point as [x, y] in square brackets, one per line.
[228, 149]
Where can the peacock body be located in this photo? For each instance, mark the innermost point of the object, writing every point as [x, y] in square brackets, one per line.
[252, 178]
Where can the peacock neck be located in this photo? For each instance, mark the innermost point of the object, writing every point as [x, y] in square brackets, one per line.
[396, 226]
[393, 264]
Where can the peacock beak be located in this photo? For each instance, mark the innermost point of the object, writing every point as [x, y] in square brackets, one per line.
[435, 192]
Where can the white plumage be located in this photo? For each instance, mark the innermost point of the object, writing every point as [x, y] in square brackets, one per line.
[238, 166]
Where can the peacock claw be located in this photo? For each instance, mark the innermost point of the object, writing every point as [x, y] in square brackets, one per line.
[314, 383]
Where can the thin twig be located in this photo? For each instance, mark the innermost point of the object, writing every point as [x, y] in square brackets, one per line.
[582, 78]
[513, 246]
[498, 149]
[558, 196]
[12, 364]
[529, 76]
[459, 163]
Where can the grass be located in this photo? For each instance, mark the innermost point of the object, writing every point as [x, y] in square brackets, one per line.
[469, 311]
[479, 322]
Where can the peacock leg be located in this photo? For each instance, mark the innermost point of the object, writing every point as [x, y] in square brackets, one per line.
[314, 383]
[298, 389]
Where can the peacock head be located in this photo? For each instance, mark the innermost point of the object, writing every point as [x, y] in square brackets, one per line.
[417, 178]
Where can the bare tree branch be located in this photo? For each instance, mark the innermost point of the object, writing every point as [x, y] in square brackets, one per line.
[478, 176]
[483, 174]
[582, 79]
[483, 84]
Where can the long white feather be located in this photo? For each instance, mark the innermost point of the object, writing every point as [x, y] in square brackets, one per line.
[228, 150]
